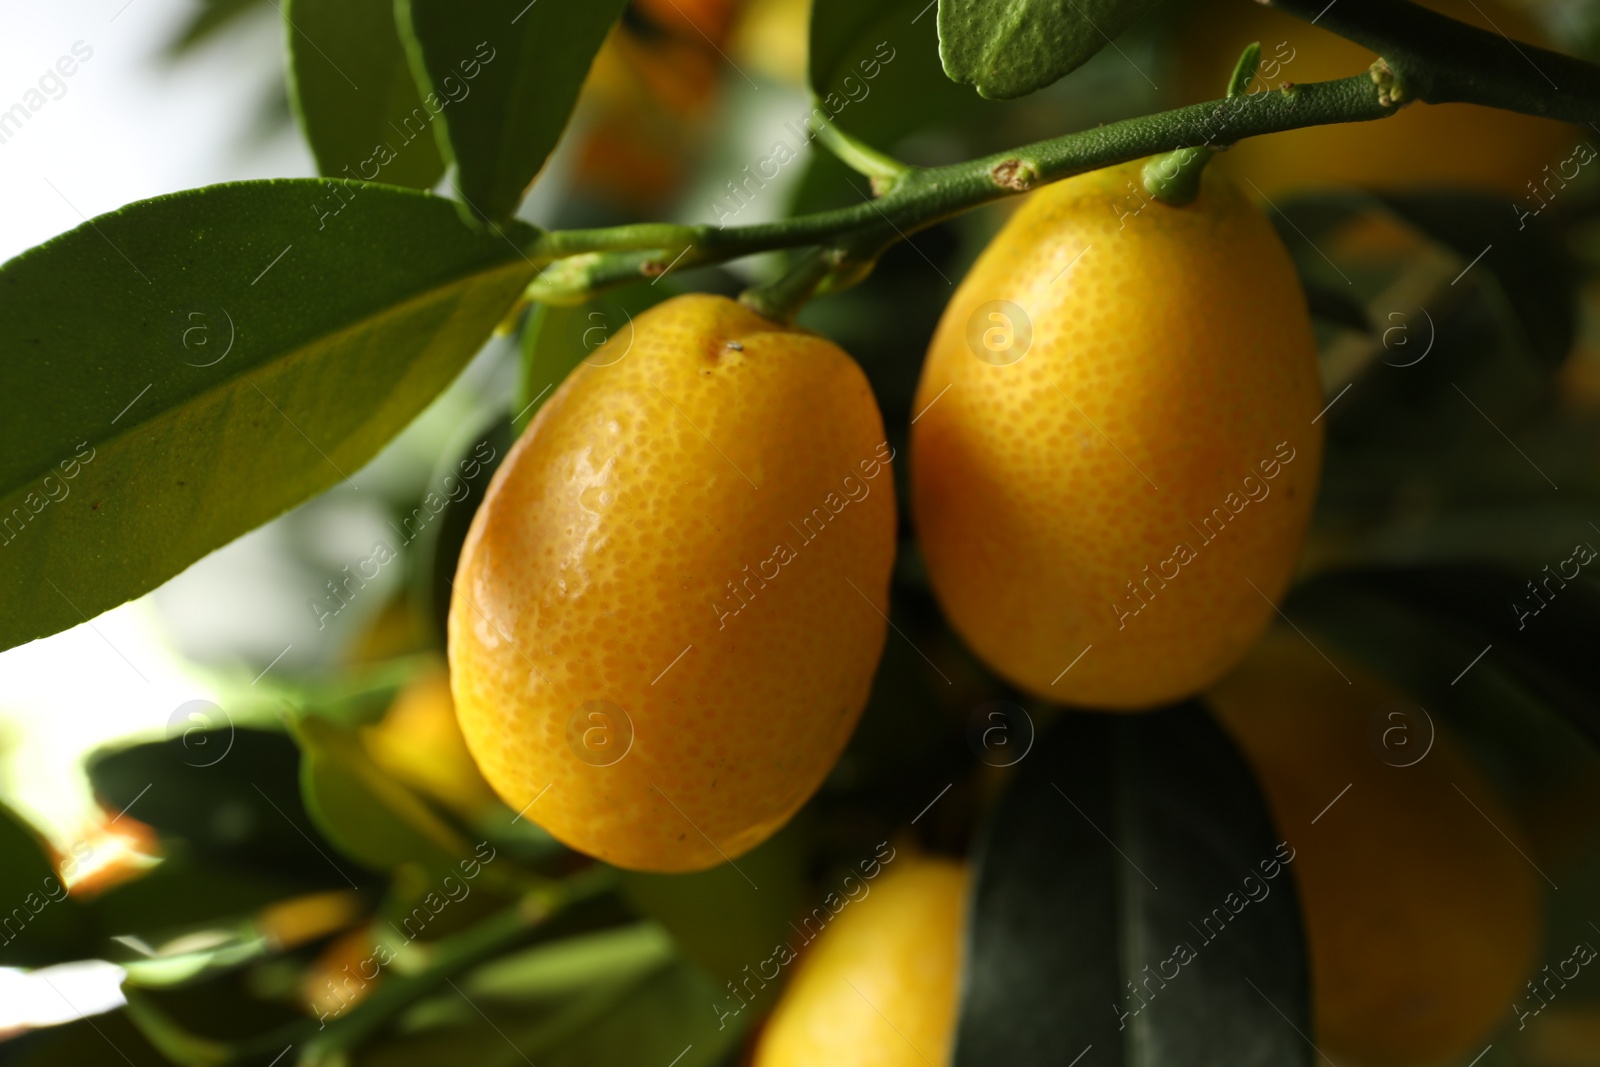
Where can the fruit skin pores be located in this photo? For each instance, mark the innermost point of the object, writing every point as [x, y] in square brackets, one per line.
[669, 608]
[1118, 450]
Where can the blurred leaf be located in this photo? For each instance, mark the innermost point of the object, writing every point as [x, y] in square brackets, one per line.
[241, 808]
[719, 918]
[874, 69]
[505, 74]
[1010, 50]
[39, 923]
[352, 91]
[182, 370]
[203, 24]
[549, 971]
[618, 998]
[365, 812]
[1446, 631]
[1532, 270]
[182, 893]
[1118, 838]
[471, 471]
[109, 1040]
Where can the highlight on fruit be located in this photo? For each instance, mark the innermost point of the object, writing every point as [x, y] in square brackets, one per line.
[781, 533]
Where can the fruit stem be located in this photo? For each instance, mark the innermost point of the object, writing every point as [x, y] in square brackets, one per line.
[782, 300]
[1174, 178]
[862, 158]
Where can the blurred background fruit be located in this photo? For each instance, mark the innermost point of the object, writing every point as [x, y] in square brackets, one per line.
[419, 742]
[878, 987]
[1394, 860]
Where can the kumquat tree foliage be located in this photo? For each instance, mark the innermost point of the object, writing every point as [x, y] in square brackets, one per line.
[912, 532]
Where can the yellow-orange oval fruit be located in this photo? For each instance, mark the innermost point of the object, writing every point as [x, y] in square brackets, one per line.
[878, 988]
[1463, 145]
[1423, 921]
[1115, 453]
[670, 604]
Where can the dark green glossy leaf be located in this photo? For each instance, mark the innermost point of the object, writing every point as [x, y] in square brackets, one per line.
[1531, 269]
[235, 799]
[1010, 50]
[352, 90]
[506, 74]
[1111, 910]
[1448, 632]
[874, 68]
[369, 815]
[39, 923]
[180, 371]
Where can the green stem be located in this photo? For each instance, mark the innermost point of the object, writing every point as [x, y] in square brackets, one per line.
[1175, 177]
[862, 158]
[321, 1040]
[1426, 56]
[1440, 61]
[782, 300]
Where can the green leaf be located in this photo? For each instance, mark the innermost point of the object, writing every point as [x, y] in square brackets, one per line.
[472, 468]
[352, 90]
[1010, 50]
[180, 371]
[232, 795]
[39, 923]
[1123, 841]
[874, 69]
[182, 893]
[617, 997]
[718, 917]
[366, 813]
[209, 18]
[506, 74]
